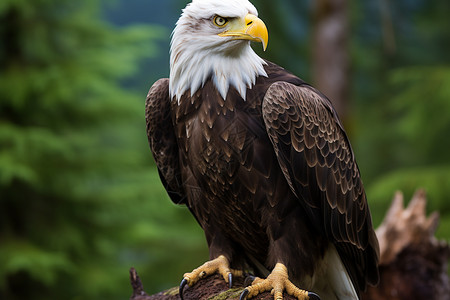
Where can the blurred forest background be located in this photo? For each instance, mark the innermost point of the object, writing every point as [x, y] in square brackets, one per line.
[80, 199]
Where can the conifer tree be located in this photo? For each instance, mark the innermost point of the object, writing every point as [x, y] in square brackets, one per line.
[68, 144]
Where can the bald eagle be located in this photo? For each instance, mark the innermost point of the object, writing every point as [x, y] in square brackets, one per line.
[261, 160]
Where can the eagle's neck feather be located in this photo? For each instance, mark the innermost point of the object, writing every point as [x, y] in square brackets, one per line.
[191, 67]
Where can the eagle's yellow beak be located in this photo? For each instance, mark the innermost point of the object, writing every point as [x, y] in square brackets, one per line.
[253, 29]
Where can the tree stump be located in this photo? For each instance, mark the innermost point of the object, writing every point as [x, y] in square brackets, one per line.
[413, 263]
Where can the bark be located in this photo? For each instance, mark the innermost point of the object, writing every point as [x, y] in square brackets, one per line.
[389, 42]
[331, 61]
[211, 288]
[413, 263]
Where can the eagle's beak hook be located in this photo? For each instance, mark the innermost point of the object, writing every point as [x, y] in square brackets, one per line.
[252, 29]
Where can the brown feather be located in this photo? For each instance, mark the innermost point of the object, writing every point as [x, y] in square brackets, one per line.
[338, 187]
[271, 178]
[162, 141]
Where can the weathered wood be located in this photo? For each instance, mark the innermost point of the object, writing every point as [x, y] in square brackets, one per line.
[413, 263]
[212, 288]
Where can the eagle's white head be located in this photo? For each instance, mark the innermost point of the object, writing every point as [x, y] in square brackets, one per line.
[211, 40]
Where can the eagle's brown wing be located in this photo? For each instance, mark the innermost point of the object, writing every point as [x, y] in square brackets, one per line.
[318, 163]
[162, 139]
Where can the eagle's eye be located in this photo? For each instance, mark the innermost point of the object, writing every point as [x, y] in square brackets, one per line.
[220, 21]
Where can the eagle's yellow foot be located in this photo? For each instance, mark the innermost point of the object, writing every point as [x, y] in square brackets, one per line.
[219, 265]
[277, 282]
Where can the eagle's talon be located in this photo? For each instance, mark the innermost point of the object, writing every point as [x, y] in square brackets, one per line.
[244, 294]
[313, 296]
[249, 280]
[183, 283]
[277, 282]
[218, 265]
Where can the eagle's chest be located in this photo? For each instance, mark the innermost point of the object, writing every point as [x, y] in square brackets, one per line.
[218, 143]
[227, 167]
[223, 143]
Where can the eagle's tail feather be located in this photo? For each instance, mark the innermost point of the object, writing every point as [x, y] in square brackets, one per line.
[338, 278]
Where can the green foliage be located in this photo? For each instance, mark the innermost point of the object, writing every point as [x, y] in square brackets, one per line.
[77, 185]
[435, 180]
[421, 109]
[401, 103]
[416, 125]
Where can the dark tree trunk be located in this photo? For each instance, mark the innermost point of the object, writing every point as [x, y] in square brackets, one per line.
[331, 62]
